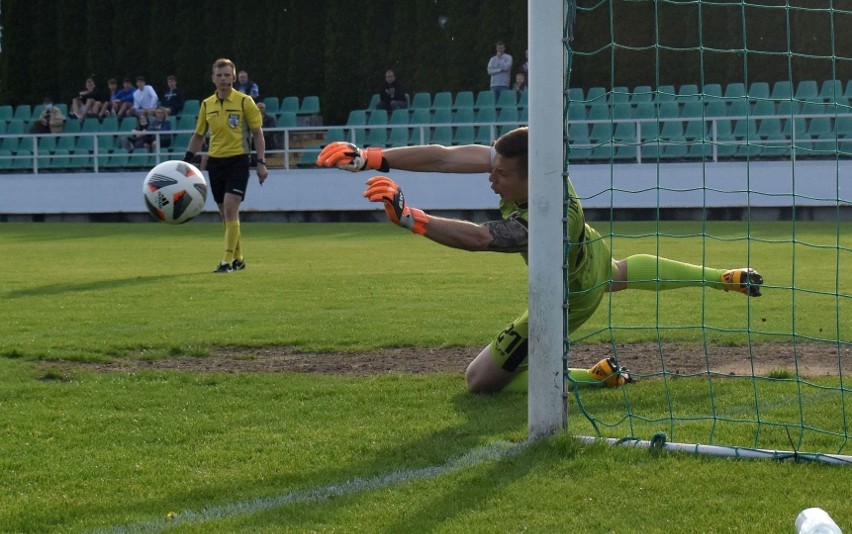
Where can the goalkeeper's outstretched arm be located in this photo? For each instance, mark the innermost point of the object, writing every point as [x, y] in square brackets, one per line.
[423, 158]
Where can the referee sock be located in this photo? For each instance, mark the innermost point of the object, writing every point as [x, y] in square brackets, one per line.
[232, 237]
[653, 273]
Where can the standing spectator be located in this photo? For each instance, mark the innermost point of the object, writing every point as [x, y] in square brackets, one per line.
[145, 98]
[392, 95]
[88, 102]
[520, 83]
[174, 97]
[525, 68]
[246, 86]
[161, 123]
[231, 118]
[50, 120]
[500, 68]
[139, 136]
[268, 124]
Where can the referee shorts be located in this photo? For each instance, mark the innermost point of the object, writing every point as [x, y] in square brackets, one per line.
[228, 175]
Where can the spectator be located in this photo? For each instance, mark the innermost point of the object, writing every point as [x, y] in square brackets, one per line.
[520, 83]
[89, 101]
[525, 68]
[268, 123]
[500, 68]
[161, 123]
[145, 98]
[246, 86]
[122, 103]
[50, 120]
[392, 95]
[174, 97]
[139, 138]
[106, 109]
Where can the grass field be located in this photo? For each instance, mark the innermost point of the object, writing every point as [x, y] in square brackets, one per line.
[287, 452]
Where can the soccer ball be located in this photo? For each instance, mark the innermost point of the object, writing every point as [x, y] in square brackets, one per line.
[175, 192]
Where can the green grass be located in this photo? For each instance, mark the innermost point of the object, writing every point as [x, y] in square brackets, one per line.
[261, 452]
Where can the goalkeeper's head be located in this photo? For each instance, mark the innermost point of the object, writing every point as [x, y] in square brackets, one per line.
[514, 145]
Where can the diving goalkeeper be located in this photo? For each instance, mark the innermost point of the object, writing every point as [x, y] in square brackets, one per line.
[592, 270]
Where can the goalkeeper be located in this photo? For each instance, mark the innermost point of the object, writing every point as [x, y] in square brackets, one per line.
[592, 270]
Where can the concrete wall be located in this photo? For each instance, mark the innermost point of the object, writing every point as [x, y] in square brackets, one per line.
[724, 185]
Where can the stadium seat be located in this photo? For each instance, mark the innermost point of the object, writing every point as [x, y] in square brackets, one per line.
[289, 103]
[442, 135]
[46, 144]
[813, 106]
[739, 108]
[184, 122]
[420, 116]
[641, 93]
[23, 160]
[66, 142]
[734, 91]
[376, 136]
[191, 107]
[758, 91]
[819, 126]
[745, 129]
[310, 106]
[807, 90]
[72, 126]
[763, 108]
[357, 117]
[7, 112]
[782, 90]
[507, 99]
[23, 112]
[665, 93]
[272, 104]
[687, 92]
[442, 100]
[576, 111]
[485, 134]
[378, 117]
[399, 136]
[622, 111]
[669, 110]
[575, 94]
[374, 102]
[59, 160]
[595, 95]
[695, 129]
[442, 116]
[484, 99]
[830, 90]
[692, 109]
[421, 100]
[712, 90]
[5, 160]
[287, 119]
[598, 111]
[843, 127]
[524, 99]
[463, 116]
[464, 135]
[485, 115]
[619, 95]
[463, 99]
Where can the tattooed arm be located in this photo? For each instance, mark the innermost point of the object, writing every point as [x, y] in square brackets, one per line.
[499, 236]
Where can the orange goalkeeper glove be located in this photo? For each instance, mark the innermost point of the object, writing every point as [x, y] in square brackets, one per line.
[349, 157]
[383, 189]
[608, 372]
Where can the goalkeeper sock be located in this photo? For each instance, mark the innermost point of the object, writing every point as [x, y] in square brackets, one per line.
[576, 376]
[232, 237]
[653, 273]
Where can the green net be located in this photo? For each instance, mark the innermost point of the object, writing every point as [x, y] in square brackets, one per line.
[716, 134]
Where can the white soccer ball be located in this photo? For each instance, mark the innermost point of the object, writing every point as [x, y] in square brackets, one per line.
[175, 192]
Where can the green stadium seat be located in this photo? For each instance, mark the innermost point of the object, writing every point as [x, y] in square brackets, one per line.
[601, 132]
[508, 114]
[669, 110]
[775, 146]
[695, 130]
[398, 136]
[763, 108]
[665, 93]
[640, 94]
[782, 90]
[463, 116]
[420, 133]
[72, 126]
[795, 128]
[672, 131]
[622, 111]
[843, 126]
[272, 104]
[420, 116]
[716, 108]
[813, 106]
[524, 115]
[2, 127]
[46, 144]
[289, 103]
[378, 117]
[310, 106]
[787, 108]
[23, 160]
[16, 127]
[399, 116]
[442, 135]
[308, 158]
[80, 159]
[442, 116]
[374, 102]
[575, 94]
[739, 108]
[287, 119]
[769, 127]
[687, 92]
[442, 100]
[524, 99]
[421, 100]
[712, 90]
[676, 149]
[10, 144]
[119, 159]
[5, 160]
[85, 143]
[357, 117]
[831, 90]
[463, 100]
[745, 129]
[485, 115]
[576, 111]
[734, 91]
[484, 99]
[598, 111]
[758, 91]
[485, 134]
[23, 112]
[819, 126]
[464, 135]
[191, 107]
[692, 109]
[619, 95]
[7, 112]
[595, 95]
[66, 142]
[807, 90]
[61, 159]
[376, 137]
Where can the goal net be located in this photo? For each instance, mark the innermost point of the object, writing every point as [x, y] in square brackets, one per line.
[717, 134]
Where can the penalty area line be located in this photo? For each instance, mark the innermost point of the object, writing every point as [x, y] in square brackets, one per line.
[490, 452]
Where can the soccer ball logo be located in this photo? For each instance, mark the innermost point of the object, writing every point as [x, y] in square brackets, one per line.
[175, 192]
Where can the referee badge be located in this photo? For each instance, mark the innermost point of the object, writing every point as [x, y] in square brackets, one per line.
[233, 120]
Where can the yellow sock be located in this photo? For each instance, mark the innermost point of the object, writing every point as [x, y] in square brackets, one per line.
[644, 271]
[232, 237]
[238, 252]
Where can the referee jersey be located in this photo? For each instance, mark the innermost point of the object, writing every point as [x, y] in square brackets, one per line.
[229, 122]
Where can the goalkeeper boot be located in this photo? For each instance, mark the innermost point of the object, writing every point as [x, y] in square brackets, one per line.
[223, 267]
[610, 373]
[744, 280]
[238, 265]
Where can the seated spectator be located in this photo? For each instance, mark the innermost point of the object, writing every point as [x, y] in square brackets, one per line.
[51, 119]
[161, 123]
[89, 101]
[271, 138]
[392, 96]
[106, 109]
[174, 97]
[246, 86]
[121, 104]
[139, 138]
[145, 98]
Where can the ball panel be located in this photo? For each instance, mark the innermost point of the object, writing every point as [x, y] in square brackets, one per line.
[175, 192]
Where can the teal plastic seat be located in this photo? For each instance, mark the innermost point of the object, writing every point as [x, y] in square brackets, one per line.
[421, 101]
[290, 103]
[441, 135]
[507, 99]
[398, 136]
[575, 94]
[782, 90]
[665, 93]
[310, 106]
[442, 116]
[464, 135]
[23, 160]
[463, 100]
[5, 160]
[485, 115]
[763, 108]
[687, 92]
[619, 95]
[191, 107]
[820, 126]
[376, 137]
[357, 117]
[442, 100]
[287, 119]
[7, 112]
[23, 112]
[734, 91]
[378, 117]
[524, 99]
[596, 95]
[830, 90]
[807, 90]
[420, 116]
[485, 134]
[641, 93]
[463, 116]
[712, 90]
[758, 91]
[484, 99]
[576, 111]
[272, 104]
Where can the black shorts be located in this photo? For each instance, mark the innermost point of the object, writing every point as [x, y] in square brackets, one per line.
[228, 175]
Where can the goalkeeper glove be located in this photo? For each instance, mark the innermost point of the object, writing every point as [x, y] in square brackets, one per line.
[349, 157]
[609, 372]
[383, 189]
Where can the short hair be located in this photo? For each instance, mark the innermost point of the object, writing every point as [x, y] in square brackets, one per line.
[224, 62]
[171, 77]
[112, 80]
[515, 145]
[140, 78]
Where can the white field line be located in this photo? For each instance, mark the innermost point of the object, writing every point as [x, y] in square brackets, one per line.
[486, 453]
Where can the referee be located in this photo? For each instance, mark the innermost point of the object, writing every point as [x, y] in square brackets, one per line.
[230, 116]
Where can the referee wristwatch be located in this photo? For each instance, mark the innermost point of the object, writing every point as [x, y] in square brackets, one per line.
[262, 162]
